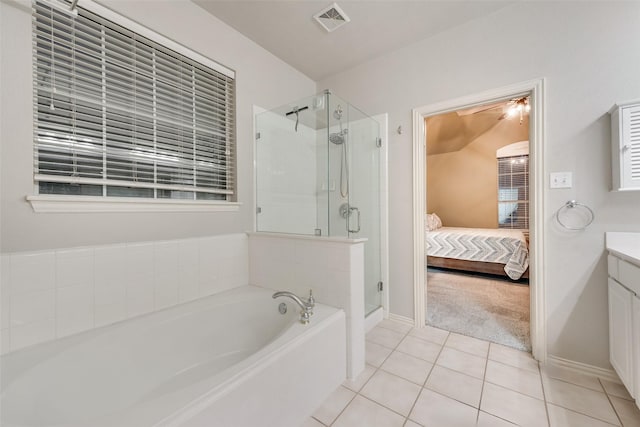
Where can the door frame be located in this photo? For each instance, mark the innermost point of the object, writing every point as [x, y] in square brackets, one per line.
[534, 88]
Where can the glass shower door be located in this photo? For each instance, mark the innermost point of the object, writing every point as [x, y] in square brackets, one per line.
[364, 199]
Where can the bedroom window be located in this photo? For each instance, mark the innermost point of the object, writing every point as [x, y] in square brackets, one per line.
[513, 192]
[119, 114]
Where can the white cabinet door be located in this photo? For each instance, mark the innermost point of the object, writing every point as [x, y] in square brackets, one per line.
[630, 148]
[625, 147]
[621, 333]
[636, 343]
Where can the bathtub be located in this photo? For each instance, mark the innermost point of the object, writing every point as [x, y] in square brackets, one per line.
[230, 359]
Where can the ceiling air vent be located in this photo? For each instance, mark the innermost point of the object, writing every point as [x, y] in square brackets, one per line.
[331, 17]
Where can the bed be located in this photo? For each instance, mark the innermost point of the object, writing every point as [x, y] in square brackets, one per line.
[483, 250]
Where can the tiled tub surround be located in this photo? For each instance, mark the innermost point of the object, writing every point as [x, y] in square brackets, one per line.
[166, 369]
[332, 267]
[54, 294]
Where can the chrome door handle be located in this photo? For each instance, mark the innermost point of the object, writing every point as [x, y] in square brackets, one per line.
[351, 209]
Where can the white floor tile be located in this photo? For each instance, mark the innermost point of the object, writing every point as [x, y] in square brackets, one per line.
[433, 409]
[513, 406]
[579, 399]
[462, 362]
[403, 328]
[561, 417]
[375, 354]
[364, 412]
[468, 344]
[488, 420]
[408, 367]
[335, 403]
[385, 337]
[421, 349]
[455, 385]
[616, 389]
[429, 333]
[392, 392]
[627, 411]
[572, 377]
[508, 393]
[359, 382]
[521, 380]
[511, 356]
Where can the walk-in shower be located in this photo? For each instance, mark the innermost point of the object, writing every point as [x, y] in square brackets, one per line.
[318, 173]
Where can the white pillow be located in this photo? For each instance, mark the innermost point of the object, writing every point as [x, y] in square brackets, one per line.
[437, 221]
[432, 222]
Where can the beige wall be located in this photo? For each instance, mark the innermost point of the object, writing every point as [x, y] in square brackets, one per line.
[462, 184]
[261, 79]
[582, 49]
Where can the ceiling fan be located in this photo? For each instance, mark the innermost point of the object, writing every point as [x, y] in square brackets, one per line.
[512, 108]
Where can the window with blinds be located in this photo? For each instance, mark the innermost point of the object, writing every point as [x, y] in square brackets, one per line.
[513, 192]
[117, 114]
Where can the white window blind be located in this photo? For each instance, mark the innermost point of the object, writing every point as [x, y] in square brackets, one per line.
[117, 114]
[513, 192]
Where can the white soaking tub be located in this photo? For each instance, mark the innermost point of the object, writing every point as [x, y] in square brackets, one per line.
[230, 359]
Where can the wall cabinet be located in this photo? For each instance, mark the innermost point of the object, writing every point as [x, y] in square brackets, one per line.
[624, 322]
[625, 146]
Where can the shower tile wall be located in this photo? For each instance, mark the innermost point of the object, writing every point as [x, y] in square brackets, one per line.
[52, 294]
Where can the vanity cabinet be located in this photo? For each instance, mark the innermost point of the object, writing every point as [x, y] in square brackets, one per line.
[624, 318]
[636, 344]
[621, 333]
[625, 146]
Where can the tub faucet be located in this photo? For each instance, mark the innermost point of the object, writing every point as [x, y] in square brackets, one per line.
[306, 307]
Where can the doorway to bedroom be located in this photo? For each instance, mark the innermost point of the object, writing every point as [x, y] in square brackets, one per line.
[477, 221]
[479, 175]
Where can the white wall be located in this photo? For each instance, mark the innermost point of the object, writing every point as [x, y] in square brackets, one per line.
[588, 54]
[261, 79]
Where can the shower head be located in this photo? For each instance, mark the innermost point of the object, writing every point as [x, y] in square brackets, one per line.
[337, 138]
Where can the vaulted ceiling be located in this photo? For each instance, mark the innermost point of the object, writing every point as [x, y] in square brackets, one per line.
[287, 28]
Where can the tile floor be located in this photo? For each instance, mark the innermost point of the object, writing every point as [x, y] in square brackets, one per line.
[430, 377]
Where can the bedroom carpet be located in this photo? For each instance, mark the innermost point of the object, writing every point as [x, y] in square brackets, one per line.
[479, 306]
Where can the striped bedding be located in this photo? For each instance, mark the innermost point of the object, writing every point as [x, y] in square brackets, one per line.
[507, 247]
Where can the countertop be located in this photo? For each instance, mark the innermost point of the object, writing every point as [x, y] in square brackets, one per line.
[624, 245]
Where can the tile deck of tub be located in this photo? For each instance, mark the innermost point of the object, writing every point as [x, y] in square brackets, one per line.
[431, 377]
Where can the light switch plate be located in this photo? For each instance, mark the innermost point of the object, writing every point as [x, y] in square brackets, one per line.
[560, 180]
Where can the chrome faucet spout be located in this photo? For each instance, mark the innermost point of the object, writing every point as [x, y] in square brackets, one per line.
[306, 307]
[293, 296]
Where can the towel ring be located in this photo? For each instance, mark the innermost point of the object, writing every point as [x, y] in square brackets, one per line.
[572, 204]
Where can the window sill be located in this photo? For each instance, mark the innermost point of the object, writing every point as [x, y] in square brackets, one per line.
[86, 204]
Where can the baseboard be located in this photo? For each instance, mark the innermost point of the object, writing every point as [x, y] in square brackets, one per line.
[401, 319]
[372, 319]
[583, 368]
